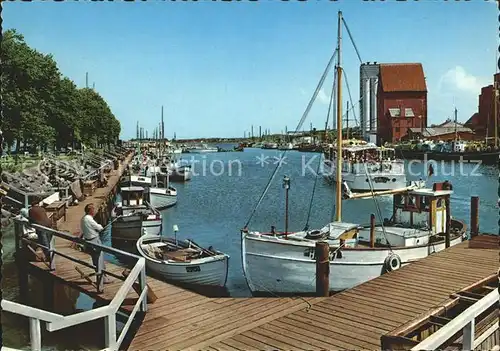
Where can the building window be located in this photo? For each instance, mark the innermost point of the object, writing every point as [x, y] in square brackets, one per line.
[409, 112]
[394, 112]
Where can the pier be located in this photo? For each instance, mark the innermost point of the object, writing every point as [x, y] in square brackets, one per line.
[420, 305]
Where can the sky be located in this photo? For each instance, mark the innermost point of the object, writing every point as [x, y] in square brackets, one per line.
[220, 67]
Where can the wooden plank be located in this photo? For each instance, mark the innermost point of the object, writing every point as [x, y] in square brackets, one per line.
[233, 344]
[257, 344]
[326, 317]
[237, 322]
[271, 341]
[195, 323]
[291, 338]
[345, 332]
[296, 330]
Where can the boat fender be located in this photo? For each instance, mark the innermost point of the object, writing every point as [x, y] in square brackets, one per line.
[392, 263]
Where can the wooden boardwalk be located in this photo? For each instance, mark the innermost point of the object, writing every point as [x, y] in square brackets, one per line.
[354, 319]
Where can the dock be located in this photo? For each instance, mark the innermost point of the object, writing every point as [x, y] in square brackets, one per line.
[384, 312]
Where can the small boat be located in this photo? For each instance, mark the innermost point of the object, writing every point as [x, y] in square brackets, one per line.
[286, 146]
[367, 167]
[183, 261]
[133, 217]
[271, 146]
[181, 174]
[160, 194]
[198, 149]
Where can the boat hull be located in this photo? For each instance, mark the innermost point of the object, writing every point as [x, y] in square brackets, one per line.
[208, 271]
[127, 230]
[380, 181]
[181, 174]
[160, 199]
[277, 268]
[489, 158]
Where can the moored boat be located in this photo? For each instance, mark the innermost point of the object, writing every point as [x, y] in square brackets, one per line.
[367, 167]
[183, 261]
[198, 149]
[285, 263]
[133, 217]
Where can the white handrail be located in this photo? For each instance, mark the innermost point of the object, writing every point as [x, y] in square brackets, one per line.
[56, 321]
[464, 321]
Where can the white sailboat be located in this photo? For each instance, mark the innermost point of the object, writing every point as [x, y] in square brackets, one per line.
[420, 225]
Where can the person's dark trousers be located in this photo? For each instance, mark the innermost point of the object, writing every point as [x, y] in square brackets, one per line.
[44, 239]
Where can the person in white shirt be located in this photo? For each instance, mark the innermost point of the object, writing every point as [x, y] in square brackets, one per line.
[91, 231]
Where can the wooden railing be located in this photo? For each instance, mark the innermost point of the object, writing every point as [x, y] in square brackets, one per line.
[465, 322]
[56, 321]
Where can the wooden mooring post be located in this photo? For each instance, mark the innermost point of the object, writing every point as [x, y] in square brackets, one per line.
[322, 268]
[448, 221]
[372, 230]
[474, 216]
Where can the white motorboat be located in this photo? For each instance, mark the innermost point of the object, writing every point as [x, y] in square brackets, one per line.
[156, 184]
[183, 261]
[285, 263]
[133, 216]
[368, 167]
[286, 146]
[203, 148]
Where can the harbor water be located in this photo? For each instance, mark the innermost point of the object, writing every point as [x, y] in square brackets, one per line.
[219, 201]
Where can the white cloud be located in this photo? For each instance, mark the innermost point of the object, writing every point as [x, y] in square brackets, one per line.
[457, 80]
[323, 97]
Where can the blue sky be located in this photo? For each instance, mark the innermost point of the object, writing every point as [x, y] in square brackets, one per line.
[220, 67]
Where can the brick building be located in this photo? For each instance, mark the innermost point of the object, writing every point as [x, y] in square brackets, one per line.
[482, 122]
[401, 100]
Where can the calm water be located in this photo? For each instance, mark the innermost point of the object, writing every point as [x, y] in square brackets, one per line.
[217, 203]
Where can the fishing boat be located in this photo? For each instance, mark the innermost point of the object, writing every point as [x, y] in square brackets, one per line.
[421, 224]
[361, 162]
[184, 261]
[286, 263]
[198, 149]
[133, 217]
[157, 189]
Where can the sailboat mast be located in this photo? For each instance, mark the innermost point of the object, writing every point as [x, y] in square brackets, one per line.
[495, 110]
[338, 207]
[456, 133]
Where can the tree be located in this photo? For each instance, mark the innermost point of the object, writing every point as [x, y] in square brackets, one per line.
[41, 108]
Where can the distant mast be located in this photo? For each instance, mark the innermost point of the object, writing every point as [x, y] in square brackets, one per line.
[456, 132]
[162, 125]
[338, 207]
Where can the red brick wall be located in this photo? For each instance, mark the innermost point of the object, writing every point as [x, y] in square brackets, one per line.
[485, 123]
[392, 129]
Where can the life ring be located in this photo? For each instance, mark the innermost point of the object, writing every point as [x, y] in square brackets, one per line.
[392, 263]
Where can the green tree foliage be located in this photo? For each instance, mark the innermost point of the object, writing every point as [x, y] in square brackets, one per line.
[43, 109]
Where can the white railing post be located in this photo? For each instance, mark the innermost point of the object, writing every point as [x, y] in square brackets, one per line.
[110, 331]
[52, 247]
[142, 285]
[99, 274]
[468, 336]
[35, 334]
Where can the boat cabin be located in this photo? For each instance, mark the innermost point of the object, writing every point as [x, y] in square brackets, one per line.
[133, 196]
[423, 209]
[137, 181]
[376, 159]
